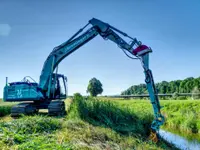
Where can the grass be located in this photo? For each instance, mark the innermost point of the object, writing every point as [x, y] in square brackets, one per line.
[5, 108]
[124, 122]
[107, 114]
[90, 124]
[35, 132]
[182, 116]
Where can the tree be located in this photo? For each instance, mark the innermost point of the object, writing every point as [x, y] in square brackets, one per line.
[163, 89]
[94, 87]
[179, 86]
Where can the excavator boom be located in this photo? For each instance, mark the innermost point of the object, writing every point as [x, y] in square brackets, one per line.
[65, 49]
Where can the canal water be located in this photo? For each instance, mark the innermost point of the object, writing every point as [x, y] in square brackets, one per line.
[179, 141]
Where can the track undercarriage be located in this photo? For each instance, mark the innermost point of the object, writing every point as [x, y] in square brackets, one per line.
[55, 108]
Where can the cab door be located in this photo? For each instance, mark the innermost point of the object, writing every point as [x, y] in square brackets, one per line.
[63, 89]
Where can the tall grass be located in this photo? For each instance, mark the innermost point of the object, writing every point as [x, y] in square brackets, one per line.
[128, 123]
[5, 107]
[181, 115]
[184, 116]
[5, 110]
[107, 113]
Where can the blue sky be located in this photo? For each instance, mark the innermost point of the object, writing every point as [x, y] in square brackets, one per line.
[29, 30]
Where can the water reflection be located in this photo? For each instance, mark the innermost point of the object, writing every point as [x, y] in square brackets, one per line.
[179, 141]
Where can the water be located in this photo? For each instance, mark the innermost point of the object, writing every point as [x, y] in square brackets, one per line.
[179, 141]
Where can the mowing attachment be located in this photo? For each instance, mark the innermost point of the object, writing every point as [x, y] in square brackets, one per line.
[153, 136]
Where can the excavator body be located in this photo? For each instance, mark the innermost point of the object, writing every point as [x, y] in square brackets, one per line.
[22, 91]
[34, 97]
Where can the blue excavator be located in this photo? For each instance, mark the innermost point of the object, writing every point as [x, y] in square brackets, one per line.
[52, 88]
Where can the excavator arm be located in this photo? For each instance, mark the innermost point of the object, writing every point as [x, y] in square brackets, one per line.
[59, 53]
[135, 48]
[63, 50]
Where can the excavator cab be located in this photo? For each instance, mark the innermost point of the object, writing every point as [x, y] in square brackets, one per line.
[58, 88]
[57, 93]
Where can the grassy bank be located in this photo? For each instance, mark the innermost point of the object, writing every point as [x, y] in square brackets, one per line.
[90, 124]
[107, 114]
[124, 122]
[182, 116]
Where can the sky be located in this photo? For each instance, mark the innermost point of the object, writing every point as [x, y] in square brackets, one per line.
[29, 30]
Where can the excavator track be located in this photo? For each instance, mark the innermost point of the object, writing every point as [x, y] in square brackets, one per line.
[23, 109]
[56, 108]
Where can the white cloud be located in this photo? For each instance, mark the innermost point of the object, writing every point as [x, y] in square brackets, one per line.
[5, 29]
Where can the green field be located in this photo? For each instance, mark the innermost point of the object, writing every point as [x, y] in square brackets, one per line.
[98, 124]
[90, 124]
